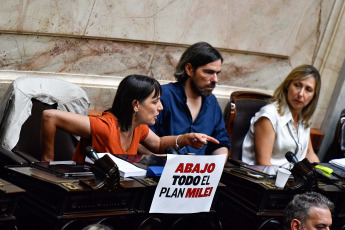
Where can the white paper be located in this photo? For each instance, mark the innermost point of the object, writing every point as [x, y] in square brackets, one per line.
[340, 163]
[126, 169]
[175, 193]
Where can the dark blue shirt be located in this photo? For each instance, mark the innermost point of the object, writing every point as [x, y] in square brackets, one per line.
[176, 119]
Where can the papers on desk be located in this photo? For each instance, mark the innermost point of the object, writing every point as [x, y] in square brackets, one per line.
[126, 169]
[340, 163]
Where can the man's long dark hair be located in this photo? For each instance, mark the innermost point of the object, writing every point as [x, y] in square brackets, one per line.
[132, 87]
[199, 54]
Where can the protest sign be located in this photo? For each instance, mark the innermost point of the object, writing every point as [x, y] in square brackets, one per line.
[188, 184]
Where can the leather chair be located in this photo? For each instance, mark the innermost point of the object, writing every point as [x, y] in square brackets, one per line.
[335, 151]
[20, 129]
[28, 146]
[242, 107]
[271, 224]
[200, 221]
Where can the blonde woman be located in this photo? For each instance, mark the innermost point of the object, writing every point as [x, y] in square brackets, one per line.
[284, 124]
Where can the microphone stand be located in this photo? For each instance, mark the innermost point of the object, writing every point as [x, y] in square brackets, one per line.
[305, 176]
[107, 175]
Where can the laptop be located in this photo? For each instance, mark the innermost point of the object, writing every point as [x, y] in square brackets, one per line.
[64, 169]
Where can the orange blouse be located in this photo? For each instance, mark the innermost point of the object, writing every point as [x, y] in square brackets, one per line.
[105, 134]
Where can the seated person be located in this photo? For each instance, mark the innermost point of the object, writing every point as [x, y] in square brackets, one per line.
[308, 211]
[189, 105]
[284, 124]
[120, 129]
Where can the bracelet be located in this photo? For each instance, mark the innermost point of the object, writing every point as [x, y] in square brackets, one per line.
[176, 145]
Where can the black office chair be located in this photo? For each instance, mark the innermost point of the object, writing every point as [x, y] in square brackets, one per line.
[201, 221]
[271, 224]
[242, 107]
[152, 222]
[73, 224]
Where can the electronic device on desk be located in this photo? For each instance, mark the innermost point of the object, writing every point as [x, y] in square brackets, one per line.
[106, 171]
[64, 168]
[304, 173]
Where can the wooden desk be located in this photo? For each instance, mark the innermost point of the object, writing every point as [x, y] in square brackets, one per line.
[254, 199]
[9, 195]
[52, 204]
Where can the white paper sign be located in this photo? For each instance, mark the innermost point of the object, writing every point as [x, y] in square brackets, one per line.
[188, 184]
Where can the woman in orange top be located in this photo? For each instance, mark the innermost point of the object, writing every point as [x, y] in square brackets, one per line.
[120, 129]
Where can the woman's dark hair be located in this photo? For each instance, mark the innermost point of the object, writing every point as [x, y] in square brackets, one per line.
[132, 87]
[199, 54]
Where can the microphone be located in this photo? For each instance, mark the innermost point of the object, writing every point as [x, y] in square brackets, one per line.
[106, 171]
[291, 157]
[91, 153]
[305, 176]
[171, 150]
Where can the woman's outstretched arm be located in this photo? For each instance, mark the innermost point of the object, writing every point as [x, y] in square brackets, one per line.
[158, 144]
[70, 122]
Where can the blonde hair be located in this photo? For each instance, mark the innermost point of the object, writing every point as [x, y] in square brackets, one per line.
[299, 73]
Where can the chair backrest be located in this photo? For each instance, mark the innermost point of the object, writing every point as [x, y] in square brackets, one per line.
[243, 106]
[335, 150]
[20, 117]
[29, 140]
[271, 224]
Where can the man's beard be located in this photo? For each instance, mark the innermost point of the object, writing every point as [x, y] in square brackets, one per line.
[201, 91]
